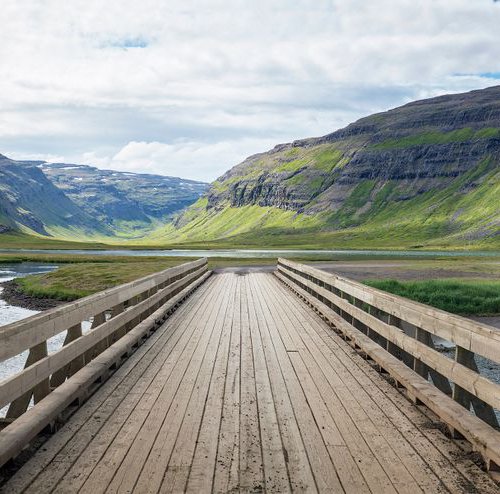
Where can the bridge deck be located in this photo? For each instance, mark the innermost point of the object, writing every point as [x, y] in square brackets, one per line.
[245, 388]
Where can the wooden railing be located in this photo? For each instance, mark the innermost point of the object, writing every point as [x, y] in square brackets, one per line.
[398, 335]
[121, 318]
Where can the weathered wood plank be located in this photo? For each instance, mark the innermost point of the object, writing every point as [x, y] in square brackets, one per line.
[27, 333]
[76, 346]
[152, 439]
[474, 336]
[324, 471]
[468, 379]
[203, 465]
[484, 438]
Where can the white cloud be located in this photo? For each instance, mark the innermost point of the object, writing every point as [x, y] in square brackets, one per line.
[185, 89]
[212, 159]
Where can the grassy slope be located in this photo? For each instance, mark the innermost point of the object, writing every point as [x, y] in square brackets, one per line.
[24, 241]
[449, 219]
[370, 218]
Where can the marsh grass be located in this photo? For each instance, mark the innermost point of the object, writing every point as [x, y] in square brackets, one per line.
[463, 297]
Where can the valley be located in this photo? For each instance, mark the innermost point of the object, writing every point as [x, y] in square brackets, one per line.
[423, 176]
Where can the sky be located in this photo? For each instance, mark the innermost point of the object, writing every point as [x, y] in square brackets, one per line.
[190, 88]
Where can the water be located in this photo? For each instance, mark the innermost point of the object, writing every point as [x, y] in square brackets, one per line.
[11, 313]
[262, 253]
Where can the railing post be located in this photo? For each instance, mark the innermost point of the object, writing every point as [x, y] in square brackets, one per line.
[19, 406]
[466, 399]
[391, 347]
[101, 346]
[68, 370]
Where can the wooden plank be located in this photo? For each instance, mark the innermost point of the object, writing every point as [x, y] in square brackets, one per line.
[474, 336]
[179, 468]
[468, 379]
[251, 462]
[276, 474]
[484, 438]
[227, 470]
[184, 409]
[299, 468]
[19, 336]
[325, 474]
[202, 472]
[149, 434]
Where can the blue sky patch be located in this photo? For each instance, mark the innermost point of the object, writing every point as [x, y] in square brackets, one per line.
[128, 42]
[490, 75]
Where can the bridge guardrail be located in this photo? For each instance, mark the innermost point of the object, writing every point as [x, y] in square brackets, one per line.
[121, 318]
[397, 334]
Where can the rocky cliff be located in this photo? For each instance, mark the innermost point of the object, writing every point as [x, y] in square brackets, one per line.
[78, 201]
[124, 202]
[426, 173]
[30, 202]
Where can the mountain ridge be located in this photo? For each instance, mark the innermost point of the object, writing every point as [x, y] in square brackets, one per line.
[430, 167]
[77, 201]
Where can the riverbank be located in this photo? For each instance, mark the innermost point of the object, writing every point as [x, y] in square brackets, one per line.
[13, 295]
[81, 276]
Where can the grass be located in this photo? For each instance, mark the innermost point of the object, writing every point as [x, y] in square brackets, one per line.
[74, 281]
[24, 241]
[464, 297]
[435, 137]
[82, 276]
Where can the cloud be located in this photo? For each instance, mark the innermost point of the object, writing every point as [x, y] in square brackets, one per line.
[212, 159]
[195, 86]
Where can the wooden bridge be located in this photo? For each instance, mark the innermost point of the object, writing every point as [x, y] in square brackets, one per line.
[297, 381]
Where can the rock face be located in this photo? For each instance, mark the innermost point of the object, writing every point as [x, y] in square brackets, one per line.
[82, 201]
[121, 200]
[421, 159]
[28, 199]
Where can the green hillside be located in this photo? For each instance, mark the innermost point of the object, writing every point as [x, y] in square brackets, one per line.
[425, 175]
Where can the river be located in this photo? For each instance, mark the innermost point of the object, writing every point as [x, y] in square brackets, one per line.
[258, 253]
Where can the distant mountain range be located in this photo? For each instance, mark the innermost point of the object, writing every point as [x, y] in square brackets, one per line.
[78, 201]
[424, 174]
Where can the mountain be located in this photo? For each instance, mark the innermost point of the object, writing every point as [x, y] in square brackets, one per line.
[424, 174]
[80, 202]
[29, 202]
[126, 203]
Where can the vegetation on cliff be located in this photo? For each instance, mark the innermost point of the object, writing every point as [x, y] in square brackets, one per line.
[423, 175]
